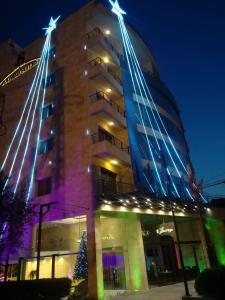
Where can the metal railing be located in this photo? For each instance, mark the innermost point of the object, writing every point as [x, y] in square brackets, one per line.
[106, 187]
[96, 33]
[99, 95]
[105, 136]
[98, 61]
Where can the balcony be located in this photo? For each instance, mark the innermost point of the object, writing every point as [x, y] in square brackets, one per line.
[96, 38]
[107, 188]
[101, 103]
[105, 145]
[105, 75]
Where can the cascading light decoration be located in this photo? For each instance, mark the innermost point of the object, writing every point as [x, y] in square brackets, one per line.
[145, 102]
[28, 129]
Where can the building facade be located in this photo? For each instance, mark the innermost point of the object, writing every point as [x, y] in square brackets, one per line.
[93, 159]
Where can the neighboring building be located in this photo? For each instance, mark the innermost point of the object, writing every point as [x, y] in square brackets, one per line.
[93, 162]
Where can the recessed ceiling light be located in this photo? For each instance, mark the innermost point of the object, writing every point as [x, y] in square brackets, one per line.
[106, 60]
[114, 162]
[108, 90]
[111, 123]
[107, 32]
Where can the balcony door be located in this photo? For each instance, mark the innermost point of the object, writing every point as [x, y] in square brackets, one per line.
[108, 180]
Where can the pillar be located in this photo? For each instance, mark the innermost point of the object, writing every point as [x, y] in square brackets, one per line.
[135, 265]
[95, 274]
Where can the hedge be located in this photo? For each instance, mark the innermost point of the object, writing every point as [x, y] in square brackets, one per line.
[45, 289]
[211, 283]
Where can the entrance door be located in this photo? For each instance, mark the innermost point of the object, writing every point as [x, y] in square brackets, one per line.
[113, 269]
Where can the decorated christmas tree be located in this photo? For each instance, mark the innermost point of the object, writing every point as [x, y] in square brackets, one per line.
[81, 267]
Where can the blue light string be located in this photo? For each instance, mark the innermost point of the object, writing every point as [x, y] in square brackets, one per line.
[37, 86]
[142, 121]
[33, 115]
[39, 128]
[24, 108]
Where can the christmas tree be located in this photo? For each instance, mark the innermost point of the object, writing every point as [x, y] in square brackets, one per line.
[81, 267]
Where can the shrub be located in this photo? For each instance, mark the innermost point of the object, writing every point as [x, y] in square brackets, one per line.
[80, 292]
[211, 283]
[45, 289]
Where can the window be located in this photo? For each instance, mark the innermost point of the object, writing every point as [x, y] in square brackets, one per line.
[105, 135]
[44, 186]
[52, 53]
[49, 81]
[47, 111]
[46, 146]
[108, 181]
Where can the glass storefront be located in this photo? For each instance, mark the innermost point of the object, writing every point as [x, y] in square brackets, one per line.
[161, 248]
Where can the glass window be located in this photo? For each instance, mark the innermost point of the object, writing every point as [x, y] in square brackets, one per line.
[49, 81]
[46, 146]
[44, 186]
[47, 111]
[52, 53]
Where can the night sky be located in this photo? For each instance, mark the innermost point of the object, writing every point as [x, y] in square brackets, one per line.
[187, 39]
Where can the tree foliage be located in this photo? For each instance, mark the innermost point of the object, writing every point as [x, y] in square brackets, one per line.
[14, 215]
[81, 267]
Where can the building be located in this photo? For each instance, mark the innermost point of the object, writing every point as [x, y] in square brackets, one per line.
[94, 161]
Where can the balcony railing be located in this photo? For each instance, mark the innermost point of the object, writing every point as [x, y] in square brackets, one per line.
[105, 187]
[98, 61]
[99, 95]
[105, 136]
[97, 33]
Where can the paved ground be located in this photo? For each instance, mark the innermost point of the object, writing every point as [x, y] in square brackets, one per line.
[169, 292]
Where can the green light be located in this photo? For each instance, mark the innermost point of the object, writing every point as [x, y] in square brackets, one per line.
[216, 231]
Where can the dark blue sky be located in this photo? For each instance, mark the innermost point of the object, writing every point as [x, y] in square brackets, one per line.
[187, 38]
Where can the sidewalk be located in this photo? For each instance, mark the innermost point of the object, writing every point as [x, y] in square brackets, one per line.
[169, 292]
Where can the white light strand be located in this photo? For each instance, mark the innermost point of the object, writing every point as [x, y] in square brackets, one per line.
[37, 87]
[39, 128]
[33, 115]
[24, 110]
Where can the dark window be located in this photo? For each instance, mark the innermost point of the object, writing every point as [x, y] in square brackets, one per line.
[105, 135]
[20, 58]
[49, 81]
[108, 175]
[44, 186]
[46, 146]
[108, 181]
[52, 53]
[47, 111]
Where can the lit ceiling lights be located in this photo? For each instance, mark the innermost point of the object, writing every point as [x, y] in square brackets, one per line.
[111, 123]
[107, 32]
[106, 60]
[114, 162]
[108, 90]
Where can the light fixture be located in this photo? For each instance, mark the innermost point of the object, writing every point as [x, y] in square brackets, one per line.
[111, 123]
[114, 162]
[107, 32]
[85, 47]
[106, 60]
[108, 90]
[50, 162]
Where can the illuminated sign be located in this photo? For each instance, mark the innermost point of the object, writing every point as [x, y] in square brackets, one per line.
[27, 66]
[162, 230]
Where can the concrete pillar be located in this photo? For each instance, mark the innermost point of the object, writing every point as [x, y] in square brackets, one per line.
[95, 274]
[204, 244]
[135, 265]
